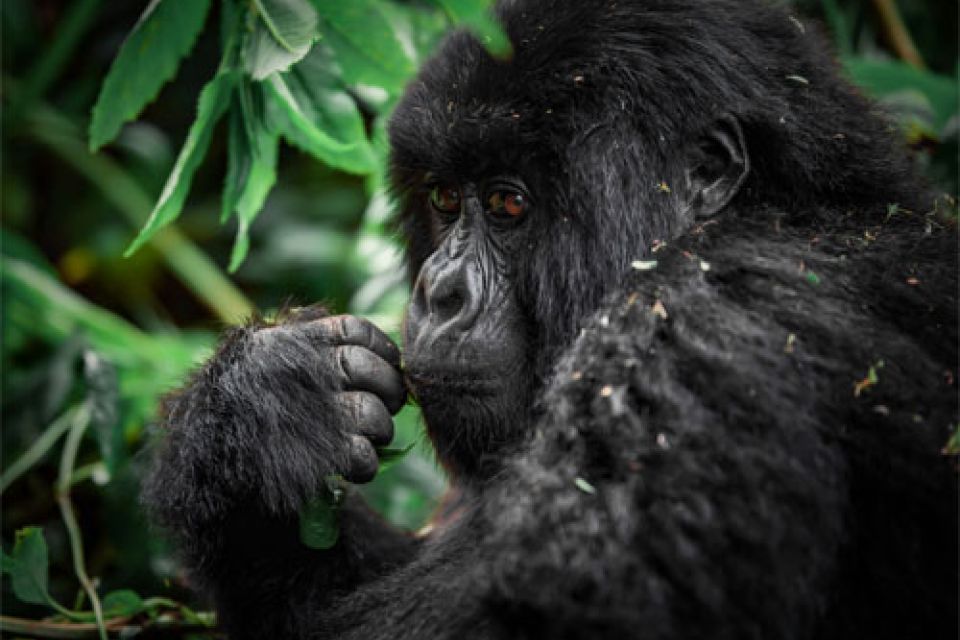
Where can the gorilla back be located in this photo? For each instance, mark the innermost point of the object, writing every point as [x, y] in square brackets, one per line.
[683, 329]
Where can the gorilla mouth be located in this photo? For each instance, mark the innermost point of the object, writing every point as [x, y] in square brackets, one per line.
[464, 381]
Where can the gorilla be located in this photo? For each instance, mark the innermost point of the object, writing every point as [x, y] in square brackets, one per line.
[683, 330]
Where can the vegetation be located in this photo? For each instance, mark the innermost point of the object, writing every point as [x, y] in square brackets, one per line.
[122, 257]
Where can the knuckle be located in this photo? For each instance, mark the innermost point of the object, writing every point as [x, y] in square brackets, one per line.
[363, 459]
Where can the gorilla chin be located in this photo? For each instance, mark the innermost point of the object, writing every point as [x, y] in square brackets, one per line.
[473, 405]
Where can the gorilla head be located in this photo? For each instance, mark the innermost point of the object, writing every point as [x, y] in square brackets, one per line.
[529, 185]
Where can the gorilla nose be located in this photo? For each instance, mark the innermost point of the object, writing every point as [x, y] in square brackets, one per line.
[445, 299]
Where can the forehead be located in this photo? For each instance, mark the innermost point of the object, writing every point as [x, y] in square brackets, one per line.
[468, 114]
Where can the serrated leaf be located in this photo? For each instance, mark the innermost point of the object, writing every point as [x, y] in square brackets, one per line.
[297, 122]
[363, 39]
[238, 164]
[282, 34]
[319, 525]
[476, 16]
[214, 99]
[322, 111]
[259, 181]
[27, 566]
[147, 60]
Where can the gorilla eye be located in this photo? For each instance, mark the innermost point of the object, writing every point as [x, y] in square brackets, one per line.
[508, 204]
[445, 198]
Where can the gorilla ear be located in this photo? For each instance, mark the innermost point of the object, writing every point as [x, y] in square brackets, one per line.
[716, 165]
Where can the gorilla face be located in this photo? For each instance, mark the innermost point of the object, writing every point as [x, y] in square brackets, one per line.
[464, 330]
[467, 355]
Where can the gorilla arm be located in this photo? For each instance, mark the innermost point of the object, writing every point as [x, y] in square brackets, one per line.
[251, 437]
[693, 474]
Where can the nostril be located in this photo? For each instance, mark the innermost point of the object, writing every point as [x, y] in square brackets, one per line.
[449, 305]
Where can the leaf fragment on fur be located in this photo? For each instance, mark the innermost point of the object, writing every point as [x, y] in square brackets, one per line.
[584, 486]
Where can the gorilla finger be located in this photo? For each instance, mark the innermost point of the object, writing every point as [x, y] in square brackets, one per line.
[363, 460]
[366, 371]
[351, 330]
[371, 416]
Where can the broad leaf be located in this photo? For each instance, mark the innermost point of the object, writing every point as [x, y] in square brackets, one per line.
[282, 34]
[122, 603]
[27, 566]
[475, 15]
[389, 456]
[885, 77]
[367, 50]
[214, 99]
[148, 59]
[319, 526]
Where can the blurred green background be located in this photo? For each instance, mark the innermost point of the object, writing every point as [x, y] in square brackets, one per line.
[91, 339]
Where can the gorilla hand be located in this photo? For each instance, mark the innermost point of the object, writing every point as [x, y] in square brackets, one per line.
[352, 370]
[278, 409]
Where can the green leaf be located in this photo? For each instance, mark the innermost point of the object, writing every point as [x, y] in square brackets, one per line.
[584, 486]
[6, 562]
[260, 179]
[148, 59]
[214, 99]
[27, 566]
[318, 116]
[238, 164]
[839, 25]
[390, 456]
[475, 15]
[885, 77]
[282, 34]
[122, 603]
[319, 526]
[367, 50]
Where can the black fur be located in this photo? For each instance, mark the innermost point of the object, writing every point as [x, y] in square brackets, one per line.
[707, 457]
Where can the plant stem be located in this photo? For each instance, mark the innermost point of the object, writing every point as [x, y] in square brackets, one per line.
[67, 461]
[48, 68]
[39, 448]
[192, 266]
[897, 33]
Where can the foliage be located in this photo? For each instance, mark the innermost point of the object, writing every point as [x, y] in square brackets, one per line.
[271, 91]
[279, 108]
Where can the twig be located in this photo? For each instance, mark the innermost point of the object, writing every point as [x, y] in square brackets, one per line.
[39, 448]
[896, 32]
[67, 461]
[79, 631]
[49, 629]
[193, 268]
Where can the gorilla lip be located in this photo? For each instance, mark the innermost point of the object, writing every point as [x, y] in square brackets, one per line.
[464, 382]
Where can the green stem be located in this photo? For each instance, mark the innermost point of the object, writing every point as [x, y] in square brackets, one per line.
[67, 461]
[897, 33]
[39, 448]
[48, 68]
[193, 267]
